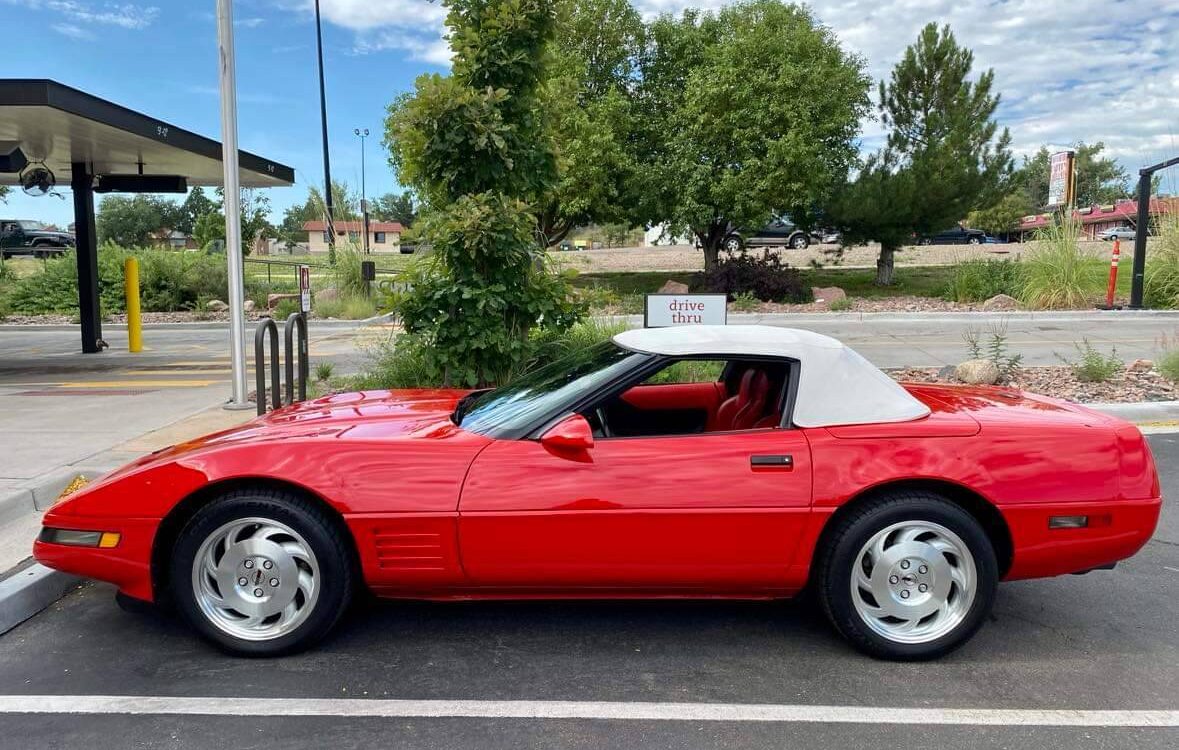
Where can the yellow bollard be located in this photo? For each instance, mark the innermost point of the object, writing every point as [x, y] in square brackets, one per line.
[131, 290]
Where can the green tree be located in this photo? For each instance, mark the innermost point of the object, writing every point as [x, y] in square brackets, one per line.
[589, 113]
[1001, 218]
[1100, 179]
[131, 221]
[399, 207]
[944, 155]
[4, 193]
[345, 202]
[208, 228]
[195, 205]
[255, 219]
[472, 145]
[742, 114]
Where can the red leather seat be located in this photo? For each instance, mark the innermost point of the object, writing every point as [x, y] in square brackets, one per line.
[743, 410]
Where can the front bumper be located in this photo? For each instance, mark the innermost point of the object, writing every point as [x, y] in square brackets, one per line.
[127, 565]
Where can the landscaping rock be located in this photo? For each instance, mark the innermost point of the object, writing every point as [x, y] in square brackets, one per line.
[248, 305]
[673, 287]
[977, 372]
[273, 299]
[216, 305]
[331, 294]
[825, 295]
[1000, 303]
[947, 373]
[1141, 365]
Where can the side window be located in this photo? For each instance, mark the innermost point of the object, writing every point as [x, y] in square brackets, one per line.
[697, 396]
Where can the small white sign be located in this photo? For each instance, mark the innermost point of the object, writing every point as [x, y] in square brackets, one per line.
[666, 310]
[305, 289]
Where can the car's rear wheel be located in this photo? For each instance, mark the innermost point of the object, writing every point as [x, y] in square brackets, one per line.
[909, 576]
[733, 244]
[799, 242]
[262, 572]
[975, 241]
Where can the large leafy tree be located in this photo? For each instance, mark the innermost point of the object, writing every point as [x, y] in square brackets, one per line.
[4, 193]
[399, 207]
[588, 110]
[473, 146]
[131, 221]
[742, 114]
[196, 204]
[944, 156]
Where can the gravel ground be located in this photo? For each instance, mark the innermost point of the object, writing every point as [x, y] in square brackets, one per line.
[1132, 385]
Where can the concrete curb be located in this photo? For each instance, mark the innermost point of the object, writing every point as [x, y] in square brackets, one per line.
[39, 493]
[1142, 412]
[30, 590]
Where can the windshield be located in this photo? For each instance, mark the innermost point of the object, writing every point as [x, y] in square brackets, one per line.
[506, 411]
[31, 226]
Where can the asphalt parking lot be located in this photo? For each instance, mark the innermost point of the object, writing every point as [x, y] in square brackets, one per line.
[626, 674]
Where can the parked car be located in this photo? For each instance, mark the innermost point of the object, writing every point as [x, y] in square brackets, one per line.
[630, 468]
[22, 236]
[779, 232]
[1118, 233]
[955, 236]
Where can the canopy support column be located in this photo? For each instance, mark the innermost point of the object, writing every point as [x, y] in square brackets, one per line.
[82, 183]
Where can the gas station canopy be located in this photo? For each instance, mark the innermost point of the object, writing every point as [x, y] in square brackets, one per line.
[59, 126]
[96, 146]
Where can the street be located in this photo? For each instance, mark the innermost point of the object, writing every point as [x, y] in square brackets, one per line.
[1106, 641]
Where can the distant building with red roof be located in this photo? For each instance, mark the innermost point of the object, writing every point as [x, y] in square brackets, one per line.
[1096, 219]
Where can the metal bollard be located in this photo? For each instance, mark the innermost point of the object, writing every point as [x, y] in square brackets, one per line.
[131, 292]
[266, 326]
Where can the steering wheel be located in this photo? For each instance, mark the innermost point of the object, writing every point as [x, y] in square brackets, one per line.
[601, 415]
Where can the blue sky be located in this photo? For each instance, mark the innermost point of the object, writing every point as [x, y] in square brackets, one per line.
[1068, 69]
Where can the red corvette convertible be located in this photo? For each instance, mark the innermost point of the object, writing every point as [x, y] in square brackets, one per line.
[739, 462]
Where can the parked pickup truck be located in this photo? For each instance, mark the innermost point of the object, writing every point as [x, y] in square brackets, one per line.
[25, 237]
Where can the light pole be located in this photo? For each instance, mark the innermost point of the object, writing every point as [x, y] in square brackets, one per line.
[233, 227]
[362, 133]
[327, 166]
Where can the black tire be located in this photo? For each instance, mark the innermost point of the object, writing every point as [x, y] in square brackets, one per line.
[835, 561]
[925, 241]
[733, 244]
[799, 242]
[329, 543]
[974, 241]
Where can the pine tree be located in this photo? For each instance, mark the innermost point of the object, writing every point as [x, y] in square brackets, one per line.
[944, 156]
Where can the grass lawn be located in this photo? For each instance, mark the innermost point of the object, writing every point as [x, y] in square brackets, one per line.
[919, 281]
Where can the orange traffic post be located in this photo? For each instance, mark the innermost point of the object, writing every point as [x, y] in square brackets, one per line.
[1113, 274]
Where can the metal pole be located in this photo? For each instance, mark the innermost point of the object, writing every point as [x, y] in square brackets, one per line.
[362, 134]
[86, 243]
[233, 225]
[1138, 278]
[327, 165]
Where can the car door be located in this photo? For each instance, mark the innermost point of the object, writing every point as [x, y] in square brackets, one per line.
[704, 512]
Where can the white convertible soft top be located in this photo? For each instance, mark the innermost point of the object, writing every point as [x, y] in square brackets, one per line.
[837, 386]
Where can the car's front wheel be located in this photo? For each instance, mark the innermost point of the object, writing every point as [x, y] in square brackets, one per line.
[909, 576]
[733, 244]
[262, 572]
[799, 242]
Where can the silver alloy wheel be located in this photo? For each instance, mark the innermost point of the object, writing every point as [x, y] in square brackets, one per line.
[799, 243]
[255, 579]
[733, 245]
[913, 582]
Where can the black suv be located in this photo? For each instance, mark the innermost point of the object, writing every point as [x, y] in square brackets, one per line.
[955, 236]
[778, 233]
[21, 236]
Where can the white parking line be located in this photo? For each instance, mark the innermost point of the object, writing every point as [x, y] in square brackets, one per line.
[611, 711]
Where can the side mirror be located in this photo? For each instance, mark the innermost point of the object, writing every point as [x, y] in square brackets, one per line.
[570, 434]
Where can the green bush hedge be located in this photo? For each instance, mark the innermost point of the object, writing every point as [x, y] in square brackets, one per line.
[979, 279]
[169, 281]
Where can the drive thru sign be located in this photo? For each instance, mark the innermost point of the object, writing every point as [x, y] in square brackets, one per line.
[305, 289]
[664, 310]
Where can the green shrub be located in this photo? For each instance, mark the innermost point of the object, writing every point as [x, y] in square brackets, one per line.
[766, 277]
[979, 279]
[54, 288]
[1057, 275]
[349, 277]
[995, 349]
[346, 308]
[1092, 366]
[404, 362]
[284, 309]
[323, 370]
[843, 304]
[745, 302]
[598, 297]
[1168, 365]
[1161, 283]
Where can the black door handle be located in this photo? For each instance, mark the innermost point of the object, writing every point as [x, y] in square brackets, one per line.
[779, 462]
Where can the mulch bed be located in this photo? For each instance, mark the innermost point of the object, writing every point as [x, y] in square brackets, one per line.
[1133, 385]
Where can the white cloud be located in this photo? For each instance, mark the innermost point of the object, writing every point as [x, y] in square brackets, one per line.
[124, 15]
[249, 23]
[1068, 70]
[72, 31]
[411, 26]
